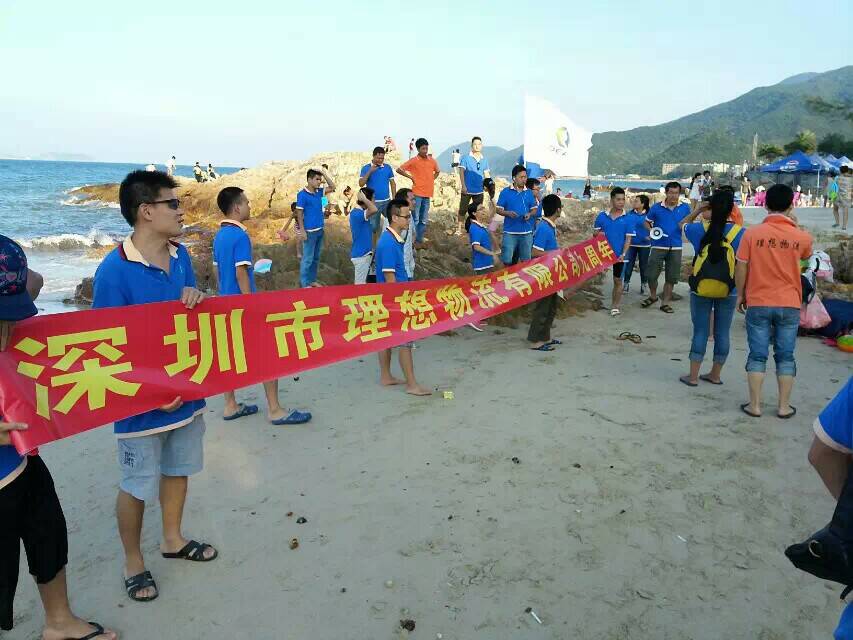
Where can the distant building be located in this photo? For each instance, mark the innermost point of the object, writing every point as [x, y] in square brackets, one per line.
[686, 168]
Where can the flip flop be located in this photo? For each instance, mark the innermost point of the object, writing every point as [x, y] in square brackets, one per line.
[790, 415]
[648, 302]
[99, 631]
[707, 379]
[193, 551]
[686, 380]
[475, 327]
[666, 308]
[615, 312]
[633, 337]
[743, 408]
[544, 347]
[243, 410]
[137, 583]
[553, 342]
[295, 417]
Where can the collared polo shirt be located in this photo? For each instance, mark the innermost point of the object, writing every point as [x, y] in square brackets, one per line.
[312, 209]
[616, 230]
[641, 237]
[125, 278]
[232, 248]
[545, 238]
[389, 257]
[423, 171]
[362, 234]
[479, 235]
[379, 181]
[520, 202]
[834, 425]
[667, 220]
[474, 171]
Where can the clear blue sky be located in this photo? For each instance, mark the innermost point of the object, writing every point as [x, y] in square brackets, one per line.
[236, 83]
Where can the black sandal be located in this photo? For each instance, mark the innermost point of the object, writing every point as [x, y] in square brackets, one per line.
[193, 551]
[666, 308]
[648, 302]
[137, 583]
[99, 631]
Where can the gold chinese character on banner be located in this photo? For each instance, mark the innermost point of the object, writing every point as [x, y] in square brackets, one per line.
[416, 309]
[210, 339]
[486, 294]
[367, 318]
[576, 264]
[594, 259]
[541, 274]
[605, 249]
[92, 380]
[456, 303]
[514, 282]
[300, 324]
[562, 268]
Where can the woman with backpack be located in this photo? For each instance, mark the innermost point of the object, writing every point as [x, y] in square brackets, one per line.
[712, 284]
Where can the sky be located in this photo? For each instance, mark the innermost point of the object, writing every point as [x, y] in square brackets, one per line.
[237, 83]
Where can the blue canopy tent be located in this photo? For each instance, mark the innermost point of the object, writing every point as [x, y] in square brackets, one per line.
[798, 163]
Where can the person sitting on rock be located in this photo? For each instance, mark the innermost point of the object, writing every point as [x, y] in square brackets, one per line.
[198, 173]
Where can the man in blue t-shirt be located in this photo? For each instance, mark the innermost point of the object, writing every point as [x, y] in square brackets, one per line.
[360, 221]
[380, 177]
[30, 511]
[544, 240]
[664, 223]
[311, 218]
[391, 267]
[232, 257]
[830, 453]
[473, 169]
[157, 450]
[518, 205]
[619, 229]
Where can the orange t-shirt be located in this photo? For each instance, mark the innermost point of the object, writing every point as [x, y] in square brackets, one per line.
[423, 171]
[773, 250]
[736, 216]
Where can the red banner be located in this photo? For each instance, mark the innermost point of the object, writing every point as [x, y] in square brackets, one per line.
[68, 373]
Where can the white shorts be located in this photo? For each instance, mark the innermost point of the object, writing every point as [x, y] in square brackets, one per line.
[361, 266]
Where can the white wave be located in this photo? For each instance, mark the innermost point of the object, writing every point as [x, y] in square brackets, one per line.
[70, 241]
[75, 201]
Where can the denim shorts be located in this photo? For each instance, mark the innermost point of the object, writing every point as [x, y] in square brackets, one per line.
[142, 460]
[777, 325]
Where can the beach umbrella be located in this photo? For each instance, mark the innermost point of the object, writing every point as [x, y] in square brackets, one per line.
[797, 162]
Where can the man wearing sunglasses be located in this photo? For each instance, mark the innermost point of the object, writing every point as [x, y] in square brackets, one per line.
[157, 450]
[473, 169]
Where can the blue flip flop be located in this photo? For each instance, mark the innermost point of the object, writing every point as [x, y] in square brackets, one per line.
[243, 411]
[295, 417]
[553, 342]
[544, 347]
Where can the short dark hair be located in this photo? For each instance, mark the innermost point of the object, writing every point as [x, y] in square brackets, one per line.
[394, 208]
[420, 142]
[518, 169]
[551, 204]
[531, 182]
[368, 192]
[227, 197]
[779, 198]
[312, 173]
[476, 138]
[403, 195]
[472, 208]
[616, 191]
[706, 171]
[140, 187]
[378, 150]
[673, 185]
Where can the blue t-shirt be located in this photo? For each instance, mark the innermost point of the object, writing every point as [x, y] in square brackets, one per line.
[123, 279]
[362, 234]
[695, 231]
[312, 209]
[480, 235]
[11, 464]
[389, 257]
[545, 238]
[474, 172]
[520, 202]
[379, 181]
[615, 230]
[667, 220]
[232, 248]
[641, 234]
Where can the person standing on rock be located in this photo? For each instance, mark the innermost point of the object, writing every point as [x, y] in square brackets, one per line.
[455, 157]
[198, 173]
[411, 148]
[311, 220]
[361, 252]
[211, 172]
[170, 166]
[473, 169]
[380, 177]
[232, 257]
[517, 204]
[422, 170]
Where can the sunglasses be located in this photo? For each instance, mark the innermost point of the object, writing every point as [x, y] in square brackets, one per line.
[173, 203]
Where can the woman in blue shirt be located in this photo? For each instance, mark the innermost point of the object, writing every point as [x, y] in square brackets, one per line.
[482, 255]
[640, 245]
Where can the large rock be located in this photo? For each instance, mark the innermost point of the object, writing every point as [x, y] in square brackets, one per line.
[841, 256]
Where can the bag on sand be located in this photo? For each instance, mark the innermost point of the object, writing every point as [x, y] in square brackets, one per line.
[828, 554]
[715, 279]
[814, 315]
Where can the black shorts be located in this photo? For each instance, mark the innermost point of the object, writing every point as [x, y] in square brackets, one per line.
[618, 268]
[30, 512]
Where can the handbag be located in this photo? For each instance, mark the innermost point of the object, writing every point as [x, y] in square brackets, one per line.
[814, 315]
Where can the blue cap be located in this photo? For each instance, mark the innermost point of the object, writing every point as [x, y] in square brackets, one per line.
[15, 301]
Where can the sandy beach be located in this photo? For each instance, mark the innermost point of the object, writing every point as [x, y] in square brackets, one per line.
[637, 508]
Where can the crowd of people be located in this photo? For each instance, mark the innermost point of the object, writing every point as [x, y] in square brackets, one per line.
[755, 271]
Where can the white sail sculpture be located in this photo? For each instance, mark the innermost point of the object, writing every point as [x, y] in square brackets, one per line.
[553, 141]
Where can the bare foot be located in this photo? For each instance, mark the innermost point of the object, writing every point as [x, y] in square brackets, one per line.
[75, 628]
[418, 390]
[389, 382]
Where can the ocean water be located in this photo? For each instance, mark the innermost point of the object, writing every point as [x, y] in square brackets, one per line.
[56, 230]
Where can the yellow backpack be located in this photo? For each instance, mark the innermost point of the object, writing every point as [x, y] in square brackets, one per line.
[715, 279]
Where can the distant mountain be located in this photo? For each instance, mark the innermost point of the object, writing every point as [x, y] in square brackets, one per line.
[723, 133]
[445, 158]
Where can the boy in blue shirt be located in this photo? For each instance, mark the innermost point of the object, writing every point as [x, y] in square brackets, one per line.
[311, 220]
[665, 221]
[641, 244]
[473, 169]
[517, 204]
[545, 308]
[157, 450]
[380, 177]
[619, 229]
[361, 225]
[232, 257]
[391, 267]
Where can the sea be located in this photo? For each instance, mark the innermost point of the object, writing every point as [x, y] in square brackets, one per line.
[58, 230]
